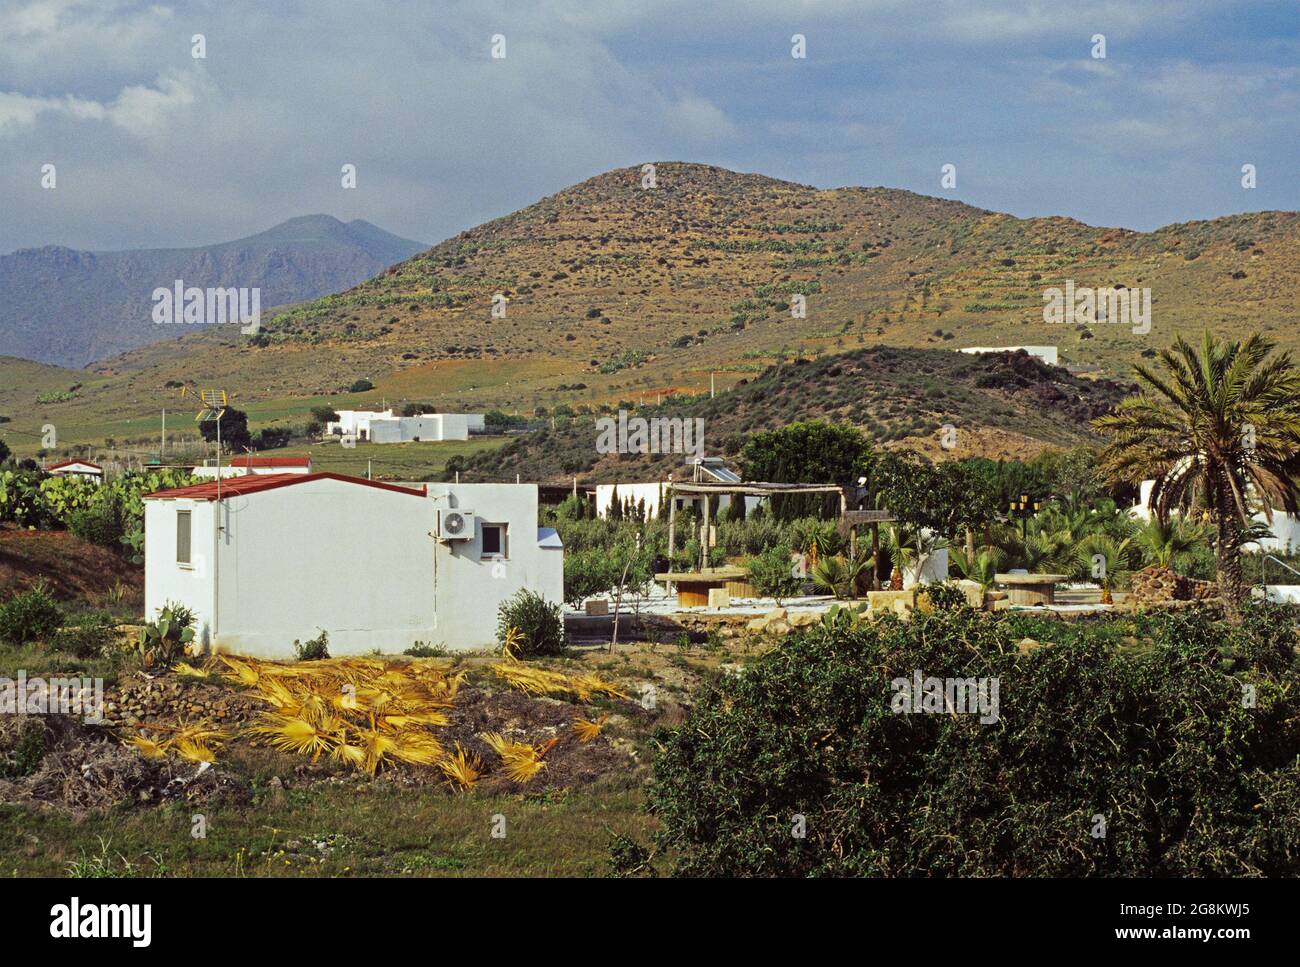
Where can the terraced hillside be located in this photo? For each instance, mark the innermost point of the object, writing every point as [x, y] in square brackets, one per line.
[999, 405]
[614, 291]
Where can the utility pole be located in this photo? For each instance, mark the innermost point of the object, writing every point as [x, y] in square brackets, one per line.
[162, 449]
[712, 391]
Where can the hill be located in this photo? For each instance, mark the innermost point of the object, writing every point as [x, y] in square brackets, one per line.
[1000, 405]
[613, 291]
[72, 307]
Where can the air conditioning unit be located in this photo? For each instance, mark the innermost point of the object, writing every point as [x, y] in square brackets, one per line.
[456, 525]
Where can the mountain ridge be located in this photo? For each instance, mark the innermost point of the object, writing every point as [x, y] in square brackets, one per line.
[72, 306]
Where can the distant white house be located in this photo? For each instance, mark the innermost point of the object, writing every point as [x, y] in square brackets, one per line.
[1285, 527]
[1047, 354]
[385, 426]
[77, 468]
[247, 464]
[653, 494]
[376, 565]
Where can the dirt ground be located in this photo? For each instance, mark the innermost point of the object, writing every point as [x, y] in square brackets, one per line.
[73, 568]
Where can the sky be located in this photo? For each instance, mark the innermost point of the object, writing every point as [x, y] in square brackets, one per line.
[154, 147]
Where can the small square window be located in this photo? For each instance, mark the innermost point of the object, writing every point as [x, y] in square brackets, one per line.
[494, 540]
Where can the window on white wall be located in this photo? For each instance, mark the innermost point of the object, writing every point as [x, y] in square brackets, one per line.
[182, 537]
[494, 540]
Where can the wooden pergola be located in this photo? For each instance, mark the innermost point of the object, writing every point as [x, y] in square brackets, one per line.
[850, 520]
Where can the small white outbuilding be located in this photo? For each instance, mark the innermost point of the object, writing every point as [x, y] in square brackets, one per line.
[264, 560]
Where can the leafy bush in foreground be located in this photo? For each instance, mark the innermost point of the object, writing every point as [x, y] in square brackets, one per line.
[536, 621]
[30, 616]
[1154, 738]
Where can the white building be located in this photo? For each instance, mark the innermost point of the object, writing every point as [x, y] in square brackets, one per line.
[1047, 354]
[377, 566]
[387, 427]
[247, 464]
[1285, 527]
[706, 469]
[77, 468]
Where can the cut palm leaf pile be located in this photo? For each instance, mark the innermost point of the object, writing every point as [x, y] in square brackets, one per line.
[540, 681]
[369, 714]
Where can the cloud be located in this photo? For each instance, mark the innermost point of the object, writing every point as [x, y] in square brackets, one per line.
[140, 110]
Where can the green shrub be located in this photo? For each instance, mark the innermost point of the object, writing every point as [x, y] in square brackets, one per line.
[535, 620]
[25, 756]
[88, 636]
[1154, 738]
[945, 597]
[314, 649]
[102, 522]
[771, 573]
[30, 616]
[421, 650]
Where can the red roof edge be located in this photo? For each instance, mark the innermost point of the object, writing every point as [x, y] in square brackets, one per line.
[69, 463]
[239, 486]
[258, 461]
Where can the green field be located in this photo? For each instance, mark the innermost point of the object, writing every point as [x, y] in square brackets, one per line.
[355, 829]
[394, 461]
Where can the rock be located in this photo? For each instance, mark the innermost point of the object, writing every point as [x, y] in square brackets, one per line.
[778, 626]
[776, 614]
[758, 625]
[277, 790]
[803, 619]
[1026, 645]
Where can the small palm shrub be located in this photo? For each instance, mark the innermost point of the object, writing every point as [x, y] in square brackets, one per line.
[535, 622]
[87, 636]
[31, 616]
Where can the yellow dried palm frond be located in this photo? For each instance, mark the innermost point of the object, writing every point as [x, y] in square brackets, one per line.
[402, 721]
[378, 745]
[417, 748]
[186, 670]
[194, 751]
[353, 755]
[534, 681]
[511, 644]
[148, 747]
[523, 769]
[588, 685]
[463, 768]
[242, 671]
[587, 730]
[204, 732]
[291, 734]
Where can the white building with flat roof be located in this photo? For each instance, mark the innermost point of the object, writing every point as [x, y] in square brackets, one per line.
[377, 566]
[385, 426]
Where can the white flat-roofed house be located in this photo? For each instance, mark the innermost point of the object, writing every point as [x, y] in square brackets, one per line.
[376, 565]
[387, 427]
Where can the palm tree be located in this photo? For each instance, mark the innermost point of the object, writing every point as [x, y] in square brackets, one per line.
[1218, 428]
[1169, 543]
[980, 567]
[1106, 560]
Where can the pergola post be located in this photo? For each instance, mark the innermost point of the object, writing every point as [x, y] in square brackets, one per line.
[704, 542]
[672, 526]
[875, 556]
